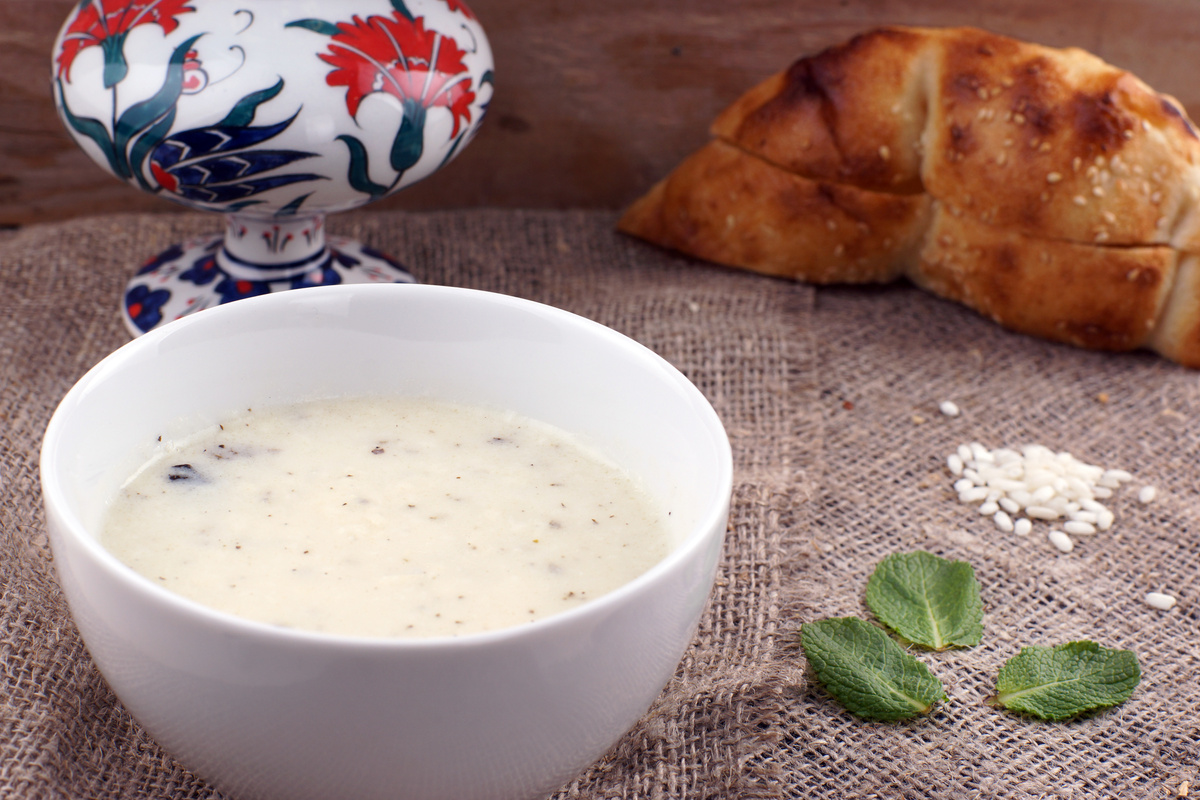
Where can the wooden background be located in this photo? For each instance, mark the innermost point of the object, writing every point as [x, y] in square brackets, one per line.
[594, 99]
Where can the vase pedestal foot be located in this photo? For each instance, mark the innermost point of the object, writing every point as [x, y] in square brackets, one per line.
[188, 277]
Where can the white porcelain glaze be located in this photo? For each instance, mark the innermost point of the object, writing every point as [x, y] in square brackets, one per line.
[264, 712]
[273, 113]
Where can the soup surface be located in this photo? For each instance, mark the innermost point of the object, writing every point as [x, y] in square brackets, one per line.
[390, 517]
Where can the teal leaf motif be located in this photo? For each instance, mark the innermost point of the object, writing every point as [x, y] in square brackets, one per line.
[291, 208]
[358, 173]
[316, 26]
[410, 139]
[115, 65]
[145, 144]
[140, 116]
[94, 130]
[242, 114]
[402, 10]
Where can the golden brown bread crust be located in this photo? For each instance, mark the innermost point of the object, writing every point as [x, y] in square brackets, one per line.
[852, 114]
[1178, 333]
[1052, 142]
[1058, 144]
[739, 210]
[1094, 297]
[1043, 187]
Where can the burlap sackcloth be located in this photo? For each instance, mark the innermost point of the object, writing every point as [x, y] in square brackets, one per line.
[830, 398]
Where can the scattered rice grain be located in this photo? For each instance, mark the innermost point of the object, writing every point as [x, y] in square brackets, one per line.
[1147, 494]
[949, 408]
[1160, 600]
[1061, 541]
[1018, 486]
[1006, 485]
[973, 495]
[1041, 512]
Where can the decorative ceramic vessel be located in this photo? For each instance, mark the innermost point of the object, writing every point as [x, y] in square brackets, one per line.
[275, 114]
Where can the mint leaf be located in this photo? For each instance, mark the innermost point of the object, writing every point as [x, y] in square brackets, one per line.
[867, 671]
[928, 600]
[1061, 682]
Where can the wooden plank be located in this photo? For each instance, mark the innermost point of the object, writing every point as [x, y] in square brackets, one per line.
[594, 101]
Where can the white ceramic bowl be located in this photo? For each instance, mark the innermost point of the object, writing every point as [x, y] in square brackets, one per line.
[265, 712]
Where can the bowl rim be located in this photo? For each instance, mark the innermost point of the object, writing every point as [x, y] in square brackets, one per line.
[713, 521]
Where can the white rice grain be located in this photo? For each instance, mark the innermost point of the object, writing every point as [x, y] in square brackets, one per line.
[1078, 488]
[1018, 486]
[1160, 600]
[1042, 512]
[949, 408]
[1147, 494]
[1061, 541]
[1006, 485]
[1006, 456]
[975, 495]
[1042, 495]
[1021, 498]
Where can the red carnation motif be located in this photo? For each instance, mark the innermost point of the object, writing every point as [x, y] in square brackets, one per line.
[94, 24]
[398, 56]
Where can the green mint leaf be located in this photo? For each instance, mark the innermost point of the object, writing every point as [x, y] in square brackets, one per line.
[1064, 681]
[867, 671]
[928, 600]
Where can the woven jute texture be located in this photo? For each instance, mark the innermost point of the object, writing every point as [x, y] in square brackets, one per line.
[830, 399]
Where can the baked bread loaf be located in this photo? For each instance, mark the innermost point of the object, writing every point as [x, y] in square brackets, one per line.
[1042, 187]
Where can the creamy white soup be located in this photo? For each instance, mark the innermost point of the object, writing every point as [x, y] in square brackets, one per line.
[389, 517]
